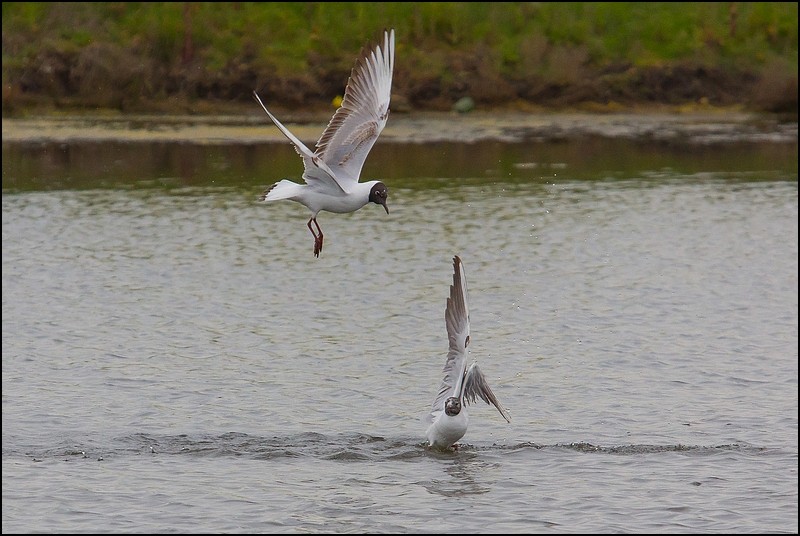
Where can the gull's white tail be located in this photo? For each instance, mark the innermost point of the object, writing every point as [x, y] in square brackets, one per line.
[284, 189]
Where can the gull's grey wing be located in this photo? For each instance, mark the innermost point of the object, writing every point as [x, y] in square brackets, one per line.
[475, 385]
[353, 129]
[456, 317]
[316, 170]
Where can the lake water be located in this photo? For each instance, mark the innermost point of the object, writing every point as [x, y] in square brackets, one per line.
[175, 359]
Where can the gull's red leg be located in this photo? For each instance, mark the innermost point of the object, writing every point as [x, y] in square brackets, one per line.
[317, 237]
[321, 237]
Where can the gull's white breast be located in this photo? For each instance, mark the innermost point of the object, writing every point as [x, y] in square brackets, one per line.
[446, 430]
[317, 200]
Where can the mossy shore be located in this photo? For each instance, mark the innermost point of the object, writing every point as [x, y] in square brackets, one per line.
[207, 58]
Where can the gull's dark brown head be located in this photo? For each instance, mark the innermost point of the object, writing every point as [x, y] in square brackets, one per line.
[379, 194]
[452, 406]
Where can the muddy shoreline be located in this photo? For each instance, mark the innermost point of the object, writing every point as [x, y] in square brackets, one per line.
[668, 126]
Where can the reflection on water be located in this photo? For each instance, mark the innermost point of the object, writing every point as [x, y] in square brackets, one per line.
[88, 165]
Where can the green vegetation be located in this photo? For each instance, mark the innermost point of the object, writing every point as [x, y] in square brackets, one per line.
[135, 55]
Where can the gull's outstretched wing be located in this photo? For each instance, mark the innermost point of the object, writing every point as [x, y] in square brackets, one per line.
[353, 129]
[475, 385]
[456, 317]
[317, 171]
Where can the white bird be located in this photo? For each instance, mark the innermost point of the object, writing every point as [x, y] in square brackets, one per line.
[461, 385]
[332, 171]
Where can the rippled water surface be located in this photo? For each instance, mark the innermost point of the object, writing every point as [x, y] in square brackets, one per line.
[176, 360]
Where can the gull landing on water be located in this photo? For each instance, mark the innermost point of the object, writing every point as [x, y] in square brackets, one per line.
[332, 171]
[461, 385]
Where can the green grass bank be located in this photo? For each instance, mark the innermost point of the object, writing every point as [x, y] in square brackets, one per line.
[203, 57]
